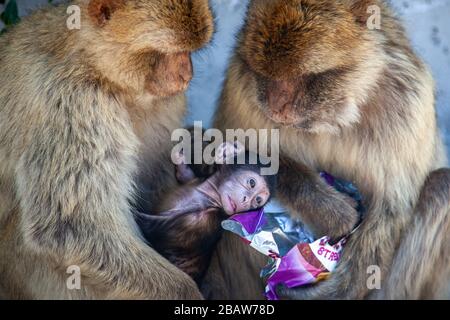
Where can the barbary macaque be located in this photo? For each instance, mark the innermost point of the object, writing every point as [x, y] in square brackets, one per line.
[85, 123]
[187, 224]
[356, 102]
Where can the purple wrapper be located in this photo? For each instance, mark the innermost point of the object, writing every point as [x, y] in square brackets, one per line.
[290, 272]
[251, 221]
[297, 269]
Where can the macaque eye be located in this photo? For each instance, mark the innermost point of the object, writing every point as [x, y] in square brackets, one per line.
[252, 183]
[259, 200]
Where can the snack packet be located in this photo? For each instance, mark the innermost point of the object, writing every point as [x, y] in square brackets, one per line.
[295, 258]
[272, 234]
[305, 263]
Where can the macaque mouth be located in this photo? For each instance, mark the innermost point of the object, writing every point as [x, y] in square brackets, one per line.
[233, 204]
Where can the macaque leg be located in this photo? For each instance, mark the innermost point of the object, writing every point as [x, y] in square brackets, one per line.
[234, 270]
[228, 150]
[421, 267]
[186, 173]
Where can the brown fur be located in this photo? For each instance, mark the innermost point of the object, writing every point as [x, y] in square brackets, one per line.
[101, 10]
[186, 228]
[359, 105]
[185, 237]
[77, 125]
[277, 40]
[427, 241]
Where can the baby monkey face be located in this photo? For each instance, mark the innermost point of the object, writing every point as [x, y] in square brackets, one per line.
[243, 191]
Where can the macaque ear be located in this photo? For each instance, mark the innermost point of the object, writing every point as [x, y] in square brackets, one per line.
[228, 150]
[363, 9]
[100, 11]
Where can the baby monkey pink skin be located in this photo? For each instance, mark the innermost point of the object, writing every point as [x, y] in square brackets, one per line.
[188, 223]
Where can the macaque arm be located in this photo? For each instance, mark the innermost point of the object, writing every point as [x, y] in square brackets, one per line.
[74, 187]
[200, 170]
[151, 224]
[183, 172]
[157, 227]
[325, 211]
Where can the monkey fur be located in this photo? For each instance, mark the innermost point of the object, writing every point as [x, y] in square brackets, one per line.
[359, 104]
[85, 123]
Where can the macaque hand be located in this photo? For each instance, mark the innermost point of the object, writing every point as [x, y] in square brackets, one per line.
[326, 211]
[338, 215]
[183, 172]
[228, 150]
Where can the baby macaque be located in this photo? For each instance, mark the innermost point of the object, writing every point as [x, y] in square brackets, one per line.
[187, 225]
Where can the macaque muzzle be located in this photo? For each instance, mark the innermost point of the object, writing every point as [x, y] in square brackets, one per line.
[284, 101]
[171, 74]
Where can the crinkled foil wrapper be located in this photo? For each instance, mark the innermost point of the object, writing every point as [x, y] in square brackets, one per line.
[295, 257]
[272, 234]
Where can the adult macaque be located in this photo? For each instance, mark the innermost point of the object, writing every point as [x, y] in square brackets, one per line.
[359, 104]
[188, 223]
[82, 113]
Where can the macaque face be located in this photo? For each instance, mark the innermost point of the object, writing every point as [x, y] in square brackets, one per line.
[159, 36]
[300, 53]
[243, 191]
[313, 103]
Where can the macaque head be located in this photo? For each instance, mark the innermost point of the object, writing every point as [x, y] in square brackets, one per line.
[152, 40]
[302, 54]
[243, 190]
[240, 184]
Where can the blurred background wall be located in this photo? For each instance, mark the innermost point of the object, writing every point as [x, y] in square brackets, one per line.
[427, 22]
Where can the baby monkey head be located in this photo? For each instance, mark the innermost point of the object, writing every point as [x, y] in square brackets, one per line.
[242, 188]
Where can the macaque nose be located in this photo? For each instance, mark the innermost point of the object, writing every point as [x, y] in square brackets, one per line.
[283, 99]
[185, 68]
[279, 94]
[171, 74]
